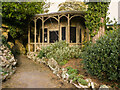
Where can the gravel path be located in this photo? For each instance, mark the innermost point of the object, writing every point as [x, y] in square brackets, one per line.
[33, 75]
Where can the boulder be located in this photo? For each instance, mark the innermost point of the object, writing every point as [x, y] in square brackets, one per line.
[5, 34]
[53, 65]
[19, 47]
[11, 44]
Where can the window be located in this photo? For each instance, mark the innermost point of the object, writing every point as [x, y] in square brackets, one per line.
[53, 36]
[63, 33]
[72, 34]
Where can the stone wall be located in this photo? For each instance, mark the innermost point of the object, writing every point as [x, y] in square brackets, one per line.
[8, 63]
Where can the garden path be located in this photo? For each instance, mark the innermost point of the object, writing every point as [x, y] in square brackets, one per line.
[30, 74]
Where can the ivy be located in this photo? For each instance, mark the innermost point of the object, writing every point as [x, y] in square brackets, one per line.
[96, 11]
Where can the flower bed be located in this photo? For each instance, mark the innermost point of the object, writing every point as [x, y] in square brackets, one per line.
[67, 74]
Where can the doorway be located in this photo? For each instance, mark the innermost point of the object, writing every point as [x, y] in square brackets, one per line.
[53, 36]
[72, 34]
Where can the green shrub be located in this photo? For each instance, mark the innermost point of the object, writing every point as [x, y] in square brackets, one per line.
[4, 42]
[70, 70]
[72, 76]
[61, 52]
[63, 62]
[102, 58]
[41, 54]
[82, 81]
[75, 76]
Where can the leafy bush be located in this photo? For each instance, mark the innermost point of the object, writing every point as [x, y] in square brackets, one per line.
[63, 62]
[41, 54]
[75, 76]
[70, 70]
[102, 58]
[4, 42]
[61, 52]
[82, 81]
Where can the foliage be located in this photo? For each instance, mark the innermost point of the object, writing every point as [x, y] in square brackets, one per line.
[61, 52]
[96, 11]
[18, 14]
[63, 62]
[70, 70]
[41, 54]
[75, 76]
[102, 58]
[74, 5]
[4, 42]
[82, 81]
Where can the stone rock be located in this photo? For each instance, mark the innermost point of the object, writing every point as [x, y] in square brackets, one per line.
[4, 54]
[65, 75]
[12, 59]
[58, 75]
[0, 52]
[11, 44]
[82, 86]
[8, 62]
[5, 51]
[53, 65]
[43, 60]
[14, 63]
[103, 87]
[71, 81]
[19, 47]
[5, 34]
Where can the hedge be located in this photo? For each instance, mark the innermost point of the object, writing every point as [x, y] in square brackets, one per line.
[102, 58]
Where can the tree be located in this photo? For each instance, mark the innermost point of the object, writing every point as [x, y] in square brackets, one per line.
[72, 5]
[18, 14]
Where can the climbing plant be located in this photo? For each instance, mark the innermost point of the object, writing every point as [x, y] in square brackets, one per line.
[96, 11]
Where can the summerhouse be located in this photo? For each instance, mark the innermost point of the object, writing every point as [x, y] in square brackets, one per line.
[48, 28]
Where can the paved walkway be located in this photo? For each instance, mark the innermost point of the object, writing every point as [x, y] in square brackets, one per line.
[33, 75]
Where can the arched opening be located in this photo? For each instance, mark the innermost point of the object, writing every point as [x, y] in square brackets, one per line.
[77, 29]
[39, 31]
[63, 27]
[51, 31]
